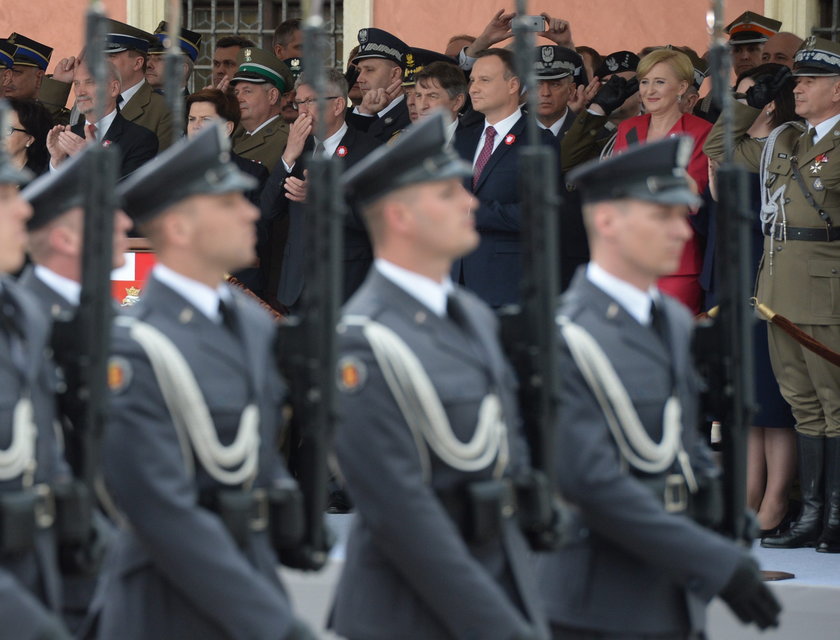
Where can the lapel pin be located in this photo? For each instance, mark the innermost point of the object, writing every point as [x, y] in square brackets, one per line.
[341, 151]
[510, 139]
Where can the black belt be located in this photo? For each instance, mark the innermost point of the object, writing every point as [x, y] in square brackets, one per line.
[805, 234]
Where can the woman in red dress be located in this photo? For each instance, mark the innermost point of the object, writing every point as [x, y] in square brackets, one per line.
[664, 76]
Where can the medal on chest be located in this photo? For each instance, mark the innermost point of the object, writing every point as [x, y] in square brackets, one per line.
[819, 161]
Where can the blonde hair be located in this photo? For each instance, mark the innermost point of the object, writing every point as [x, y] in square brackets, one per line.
[677, 60]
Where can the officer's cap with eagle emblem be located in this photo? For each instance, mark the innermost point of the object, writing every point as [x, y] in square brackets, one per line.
[817, 57]
[378, 43]
[260, 67]
[552, 62]
[419, 155]
[618, 62]
[192, 166]
[653, 172]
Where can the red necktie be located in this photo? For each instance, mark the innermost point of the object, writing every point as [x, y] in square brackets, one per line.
[484, 156]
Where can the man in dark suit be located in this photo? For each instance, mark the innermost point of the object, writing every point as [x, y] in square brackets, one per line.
[30, 588]
[646, 569]
[494, 269]
[285, 192]
[429, 429]
[188, 563]
[380, 61]
[136, 144]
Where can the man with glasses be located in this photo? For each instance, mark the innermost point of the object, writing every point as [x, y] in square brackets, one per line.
[285, 193]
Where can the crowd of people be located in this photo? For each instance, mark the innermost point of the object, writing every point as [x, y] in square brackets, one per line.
[431, 450]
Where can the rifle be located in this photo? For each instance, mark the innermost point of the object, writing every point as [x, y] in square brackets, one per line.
[723, 346]
[174, 61]
[529, 332]
[81, 343]
[307, 346]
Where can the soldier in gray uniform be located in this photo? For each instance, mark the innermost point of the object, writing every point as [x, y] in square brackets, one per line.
[56, 236]
[628, 451]
[30, 463]
[428, 433]
[190, 455]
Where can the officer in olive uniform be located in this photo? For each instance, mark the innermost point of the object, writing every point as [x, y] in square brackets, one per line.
[259, 84]
[429, 433]
[628, 450]
[799, 275]
[31, 465]
[190, 455]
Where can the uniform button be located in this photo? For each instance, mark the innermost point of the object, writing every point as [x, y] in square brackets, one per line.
[834, 271]
[420, 317]
[787, 200]
[779, 247]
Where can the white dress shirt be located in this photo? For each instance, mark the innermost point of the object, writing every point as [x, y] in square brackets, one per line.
[634, 301]
[198, 294]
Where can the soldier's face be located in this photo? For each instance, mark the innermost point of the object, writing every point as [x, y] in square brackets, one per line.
[223, 231]
[442, 220]
[14, 212]
[816, 98]
[254, 103]
[24, 83]
[552, 98]
[129, 65]
[746, 57]
[376, 73]
[646, 239]
[780, 49]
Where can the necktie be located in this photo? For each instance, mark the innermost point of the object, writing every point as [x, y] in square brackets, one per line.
[11, 325]
[228, 316]
[319, 150]
[658, 322]
[484, 156]
[93, 129]
[120, 99]
[455, 311]
[810, 138]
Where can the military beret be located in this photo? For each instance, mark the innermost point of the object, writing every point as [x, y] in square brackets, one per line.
[416, 59]
[752, 28]
[419, 155]
[654, 172]
[817, 57]
[189, 41]
[377, 43]
[30, 53]
[55, 193]
[552, 62]
[261, 67]
[192, 166]
[7, 54]
[9, 173]
[122, 37]
[618, 62]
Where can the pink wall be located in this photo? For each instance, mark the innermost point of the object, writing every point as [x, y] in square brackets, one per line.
[606, 25]
[59, 24]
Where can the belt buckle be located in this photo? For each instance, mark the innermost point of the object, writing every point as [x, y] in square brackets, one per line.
[44, 506]
[259, 520]
[675, 498]
[827, 232]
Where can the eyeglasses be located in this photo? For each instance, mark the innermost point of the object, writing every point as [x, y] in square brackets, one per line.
[11, 130]
[310, 101]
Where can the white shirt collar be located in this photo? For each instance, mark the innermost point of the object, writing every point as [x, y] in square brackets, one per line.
[449, 131]
[272, 119]
[391, 105]
[427, 291]
[68, 289]
[555, 128]
[331, 143]
[824, 127]
[128, 94]
[198, 294]
[634, 301]
[103, 125]
[502, 128]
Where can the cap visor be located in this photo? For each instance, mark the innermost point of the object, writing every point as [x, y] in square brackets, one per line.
[815, 72]
[679, 195]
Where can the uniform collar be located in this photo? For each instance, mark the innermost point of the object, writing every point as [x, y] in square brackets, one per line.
[198, 294]
[128, 94]
[68, 289]
[824, 127]
[430, 293]
[555, 128]
[266, 123]
[634, 301]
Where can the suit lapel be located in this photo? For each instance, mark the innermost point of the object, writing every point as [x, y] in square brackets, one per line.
[133, 109]
[502, 150]
[115, 131]
[826, 144]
